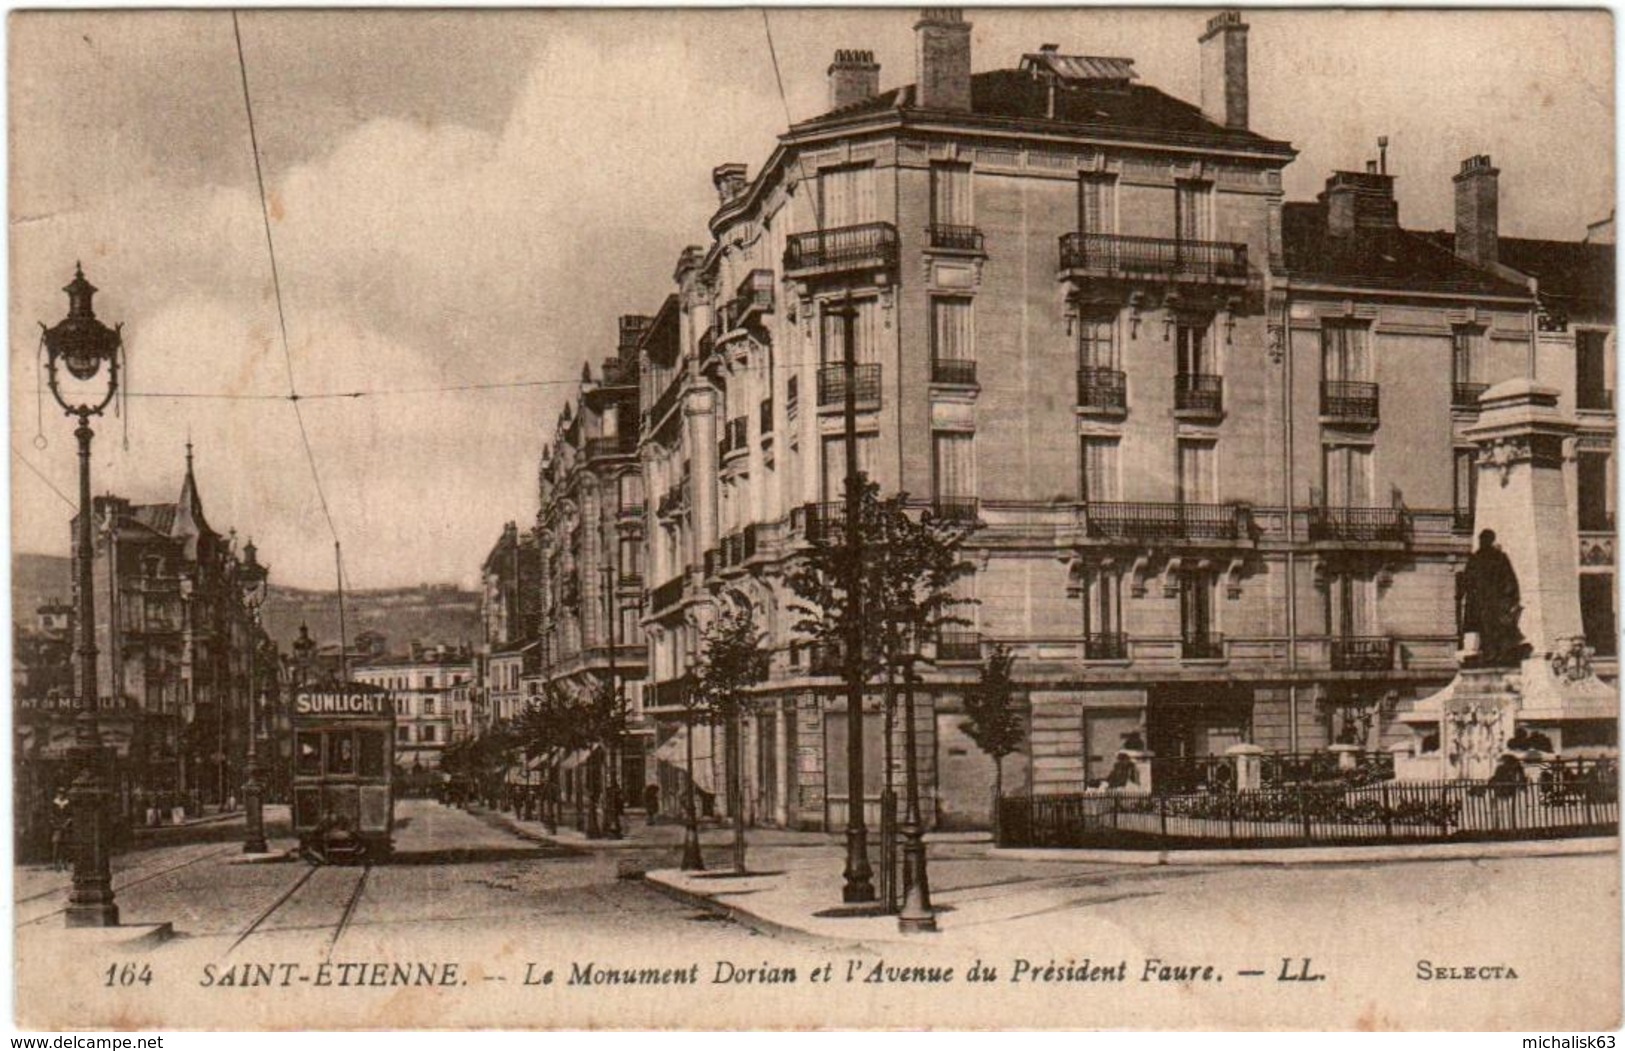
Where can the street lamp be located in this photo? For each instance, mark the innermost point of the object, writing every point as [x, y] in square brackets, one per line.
[612, 790]
[693, 859]
[917, 915]
[84, 345]
[253, 578]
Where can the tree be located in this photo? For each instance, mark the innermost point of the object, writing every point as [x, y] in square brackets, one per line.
[732, 658]
[994, 722]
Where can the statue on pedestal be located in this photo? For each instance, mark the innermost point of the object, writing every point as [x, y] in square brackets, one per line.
[1490, 606]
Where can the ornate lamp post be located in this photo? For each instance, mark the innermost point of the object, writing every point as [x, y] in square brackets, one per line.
[85, 346]
[917, 915]
[253, 578]
[612, 750]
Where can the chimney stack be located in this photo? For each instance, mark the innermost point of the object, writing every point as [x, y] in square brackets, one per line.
[942, 60]
[1478, 211]
[1224, 70]
[853, 77]
[1359, 201]
[729, 179]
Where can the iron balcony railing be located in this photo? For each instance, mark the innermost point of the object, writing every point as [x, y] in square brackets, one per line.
[956, 508]
[959, 646]
[753, 298]
[764, 416]
[1100, 388]
[1204, 647]
[1105, 646]
[1197, 392]
[948, 235]
[668, 693]
[1166, 521]
[960, 372]
[620, 445]
[668, 594]
[1158, 258]
[844, 248]
[1348, 399]
[665, 401]
[1597, 399]
[1465, 395]
[1362, 653]
[1359, 524]
[820, 521]
[832, 386]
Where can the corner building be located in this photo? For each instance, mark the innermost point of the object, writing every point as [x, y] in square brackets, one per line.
[1211, 438]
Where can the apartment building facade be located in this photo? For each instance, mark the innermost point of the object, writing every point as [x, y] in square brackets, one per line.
[433, 688]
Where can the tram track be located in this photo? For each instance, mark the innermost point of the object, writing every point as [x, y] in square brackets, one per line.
[319, 899]
[119, 888]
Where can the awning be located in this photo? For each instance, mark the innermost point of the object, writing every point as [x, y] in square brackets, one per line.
[674, 752]
[576, 758]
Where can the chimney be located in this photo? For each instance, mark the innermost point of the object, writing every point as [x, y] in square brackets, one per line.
[853, 77]
[1224, 70]
[729, 179]
[1359, 201]
[942, 60]
[1478, 211]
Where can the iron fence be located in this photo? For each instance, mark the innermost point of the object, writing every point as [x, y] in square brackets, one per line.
[948, 235]
[865, 382]
[866, 244]
[1196, 392]
[962, 373]
[1362, 653]
[1164, 521]
[1369, 524]
[1349, 399]
[1102, 389]
[1168, 258]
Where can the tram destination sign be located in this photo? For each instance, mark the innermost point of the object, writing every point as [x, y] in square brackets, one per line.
[342, 703]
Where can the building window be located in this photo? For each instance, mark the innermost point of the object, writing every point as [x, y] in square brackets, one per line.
[1466, 354]
[1193, 210]
[403, 734]
[1591, 370]
[1347, 472]
[953, 347]
[1097, 461]
[428, 734]
[1591, 477]
[1343, 353]
[835, 463]
[1597, 612]
[1198, 461]
[953, 467]
[1351, 606]
[1097, 341]
[1103, 615]
[865, 332]
[1194, 350]
[428, 706]
[846, 196]
[1196, 613]
[951, 195]
[1466, 488]
[1097, 204]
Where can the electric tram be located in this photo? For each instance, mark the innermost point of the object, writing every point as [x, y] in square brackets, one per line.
[343, 769]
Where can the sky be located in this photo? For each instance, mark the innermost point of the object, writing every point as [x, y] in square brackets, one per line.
[474, 197]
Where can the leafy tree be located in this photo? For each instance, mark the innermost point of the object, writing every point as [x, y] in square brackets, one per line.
[732, 658]
[994, 721]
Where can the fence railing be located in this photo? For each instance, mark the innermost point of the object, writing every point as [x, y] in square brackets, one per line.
[1105, 646]
[962, 373]
[955, 508]
[832, 386]
[1362, 653]
[619, 445]
[754, 296]
[959, 646]
[1349, 399]
[1198, 392]
[1100, 388]
[1165, 521]
[867, 244]
[733, 437]
[668, 594]
[1167, 258]
[1389, 812]
[1371, 524]
[948, 235]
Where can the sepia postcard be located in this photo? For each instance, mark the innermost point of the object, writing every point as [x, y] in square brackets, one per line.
[885, 518]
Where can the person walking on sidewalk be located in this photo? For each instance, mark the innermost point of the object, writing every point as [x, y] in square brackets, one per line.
[651, 802]
[61, 829]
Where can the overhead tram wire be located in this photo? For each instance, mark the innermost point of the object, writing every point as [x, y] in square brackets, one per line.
[282, 323]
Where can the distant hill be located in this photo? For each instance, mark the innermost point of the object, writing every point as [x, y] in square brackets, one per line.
[429, 612]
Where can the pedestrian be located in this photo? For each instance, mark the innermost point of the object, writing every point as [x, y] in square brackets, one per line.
[651, 801]
[61, 829]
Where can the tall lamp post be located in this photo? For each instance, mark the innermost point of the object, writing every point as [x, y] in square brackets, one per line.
[85, 345]
[917, 915]
[253, 578]
[612, 757]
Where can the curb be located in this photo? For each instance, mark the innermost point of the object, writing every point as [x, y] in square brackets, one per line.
[1278, 856]
[743, 917]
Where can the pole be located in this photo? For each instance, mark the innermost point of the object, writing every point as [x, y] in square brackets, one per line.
[693, 861]
[90, 902]
[344, 643]
[859, 877]
[917, 916]
[612, 792]
[253, 789]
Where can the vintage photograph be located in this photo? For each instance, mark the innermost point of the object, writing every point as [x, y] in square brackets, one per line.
[776, 518]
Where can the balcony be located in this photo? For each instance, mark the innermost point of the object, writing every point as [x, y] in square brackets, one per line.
[663, 404]
[1388, 525]
[1205, 647]
[1162, 259]
[1362, 653]
[733, 438]
[631, 509]
[1349, 401]
[1167, 521]
[954, 238]
[668, 594]
[1102, 390]
[1105, 646]
[620, 445]
[1594, 399]
[669, 693]
[753, 298]
[962, 646]
[1465, 395]
[1196, 394]
[961, 509]
[820, 522]
[958, 373]
[832, 386]
[867, 246]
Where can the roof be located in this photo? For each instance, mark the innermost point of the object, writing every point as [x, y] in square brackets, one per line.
[1380, 257]
[1116, 110]
[1579, 273]
[1079, 67]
